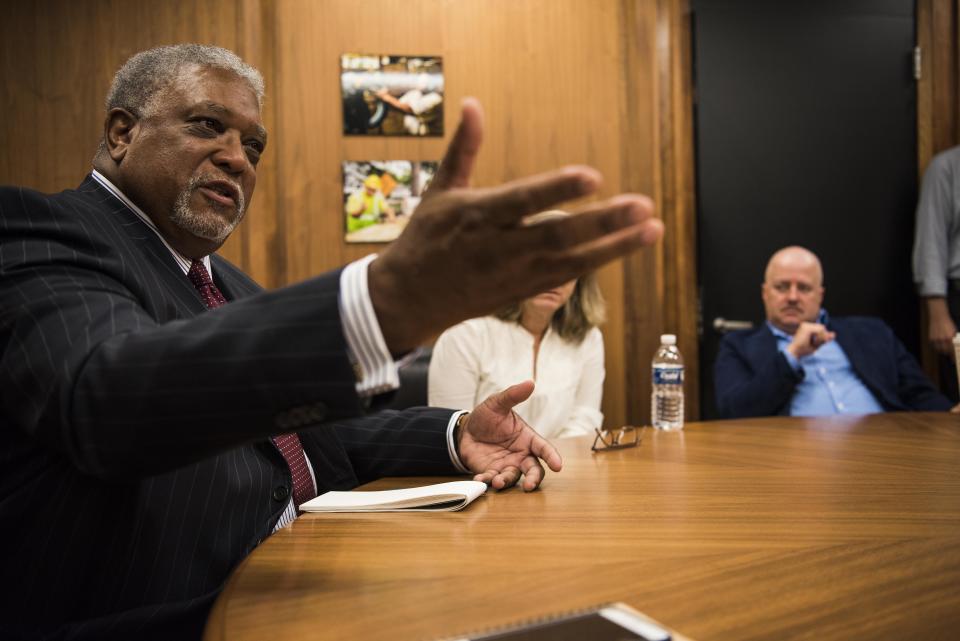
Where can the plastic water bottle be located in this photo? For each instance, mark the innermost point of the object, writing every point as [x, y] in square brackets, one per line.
[666, 404]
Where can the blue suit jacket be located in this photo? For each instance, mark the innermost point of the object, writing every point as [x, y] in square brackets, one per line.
[752, 377]
[135, 468]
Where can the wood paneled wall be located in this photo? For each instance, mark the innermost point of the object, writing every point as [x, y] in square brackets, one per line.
[603, 83]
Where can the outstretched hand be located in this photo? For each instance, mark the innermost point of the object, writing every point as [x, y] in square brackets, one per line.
[466, 252]
[499, 446]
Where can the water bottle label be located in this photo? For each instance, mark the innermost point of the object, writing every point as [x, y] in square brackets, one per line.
[668, 376]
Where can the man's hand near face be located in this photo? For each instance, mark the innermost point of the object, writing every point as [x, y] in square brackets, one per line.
[466, 252]
[808, 338]
[499, 446]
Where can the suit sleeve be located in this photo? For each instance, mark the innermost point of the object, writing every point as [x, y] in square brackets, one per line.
[913, 387]
[85, 369]
[931, 253]
[745, 389]
[411, 442]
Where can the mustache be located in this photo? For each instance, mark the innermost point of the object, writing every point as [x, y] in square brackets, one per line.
[202, 179]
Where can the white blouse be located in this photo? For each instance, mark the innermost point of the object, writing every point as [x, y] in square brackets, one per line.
[482, 356]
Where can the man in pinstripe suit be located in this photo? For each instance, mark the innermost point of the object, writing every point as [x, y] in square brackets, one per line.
[136, 409]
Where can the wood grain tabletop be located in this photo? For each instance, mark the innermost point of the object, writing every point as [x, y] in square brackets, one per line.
[774, 528]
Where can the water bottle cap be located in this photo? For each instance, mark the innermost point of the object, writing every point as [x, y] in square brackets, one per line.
[668, 339]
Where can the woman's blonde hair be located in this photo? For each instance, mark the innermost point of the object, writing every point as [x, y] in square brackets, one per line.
[584, 310]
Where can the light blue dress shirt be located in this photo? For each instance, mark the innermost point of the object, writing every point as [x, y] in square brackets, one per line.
[829, 385]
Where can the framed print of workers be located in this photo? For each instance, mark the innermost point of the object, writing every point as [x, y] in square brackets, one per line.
[391, 95]
[379, 197]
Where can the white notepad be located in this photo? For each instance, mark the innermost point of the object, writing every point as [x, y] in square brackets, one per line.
[441, 497]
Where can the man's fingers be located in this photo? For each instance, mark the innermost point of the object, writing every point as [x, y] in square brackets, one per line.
[594, 222]
[532, 473]
[820, 336]
[561, 253]
[508, 477]
[637, 206]
[457, 165]
[499, 479]
[544, 449]
[506, 205]
[485, 477]
[590, 255]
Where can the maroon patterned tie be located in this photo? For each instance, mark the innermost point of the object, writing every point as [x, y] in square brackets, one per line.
[288, 444]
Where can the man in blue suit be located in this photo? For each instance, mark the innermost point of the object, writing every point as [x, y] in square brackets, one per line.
[802, 362]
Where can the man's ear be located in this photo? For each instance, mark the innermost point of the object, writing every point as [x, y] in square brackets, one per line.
[119, 130]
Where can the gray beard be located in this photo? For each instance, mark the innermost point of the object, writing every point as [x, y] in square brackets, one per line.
[211, 228]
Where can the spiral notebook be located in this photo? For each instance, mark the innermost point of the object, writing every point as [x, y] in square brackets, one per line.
[610, 622]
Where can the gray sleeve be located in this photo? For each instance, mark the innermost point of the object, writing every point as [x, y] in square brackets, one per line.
[931, 260]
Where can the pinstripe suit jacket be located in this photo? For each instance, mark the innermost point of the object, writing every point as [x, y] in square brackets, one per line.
[135, 472]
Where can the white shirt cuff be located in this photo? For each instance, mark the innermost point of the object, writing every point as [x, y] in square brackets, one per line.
[375, 368]
[451, 446]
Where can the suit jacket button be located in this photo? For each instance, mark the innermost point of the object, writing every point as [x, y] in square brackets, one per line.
[281, 493]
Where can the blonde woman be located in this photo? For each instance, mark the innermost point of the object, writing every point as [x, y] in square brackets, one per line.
[551, 338]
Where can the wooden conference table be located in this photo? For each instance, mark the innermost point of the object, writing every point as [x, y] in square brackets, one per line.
[775, 528]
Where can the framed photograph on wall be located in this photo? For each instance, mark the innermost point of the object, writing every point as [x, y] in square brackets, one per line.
[379, 197]
[391, 95]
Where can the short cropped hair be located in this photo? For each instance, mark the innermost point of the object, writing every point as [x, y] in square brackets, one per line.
[584, 310]
[148, 72]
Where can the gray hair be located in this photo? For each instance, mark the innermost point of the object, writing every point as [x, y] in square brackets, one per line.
[144, 75]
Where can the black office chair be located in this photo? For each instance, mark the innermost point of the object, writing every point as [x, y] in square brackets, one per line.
[413, 383]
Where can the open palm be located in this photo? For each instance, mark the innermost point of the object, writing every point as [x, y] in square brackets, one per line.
[499, 446]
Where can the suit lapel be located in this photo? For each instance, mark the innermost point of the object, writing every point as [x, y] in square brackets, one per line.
[862, 363]
[173, 276]
[154, 263]
[760, 344]
[150, 258]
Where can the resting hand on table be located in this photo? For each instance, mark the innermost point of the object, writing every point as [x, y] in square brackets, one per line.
[498, 445]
